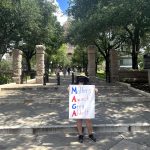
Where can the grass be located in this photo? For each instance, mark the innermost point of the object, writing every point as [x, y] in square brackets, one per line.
[100, 74]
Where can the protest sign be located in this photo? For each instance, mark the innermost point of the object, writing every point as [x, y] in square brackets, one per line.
[81, 101]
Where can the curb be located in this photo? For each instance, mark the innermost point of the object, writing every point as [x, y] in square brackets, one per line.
[36, 130]
[123, 99]
[134, 89]
[20, 101]
[59, 100]
[53, 87]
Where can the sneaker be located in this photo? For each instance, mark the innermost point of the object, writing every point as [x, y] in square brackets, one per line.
[91, 136]
[81, 138]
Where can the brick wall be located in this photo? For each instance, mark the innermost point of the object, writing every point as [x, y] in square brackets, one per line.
[133, 76]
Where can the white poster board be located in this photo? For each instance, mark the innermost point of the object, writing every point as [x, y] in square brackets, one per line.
[81, 101]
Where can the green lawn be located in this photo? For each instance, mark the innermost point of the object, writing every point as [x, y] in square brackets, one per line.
[100, 74]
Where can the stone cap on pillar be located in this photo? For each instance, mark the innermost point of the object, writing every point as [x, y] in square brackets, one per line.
[40, 49]
[17, 51]
[91, 49]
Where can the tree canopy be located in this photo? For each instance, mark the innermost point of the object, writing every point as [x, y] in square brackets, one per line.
[110, 24]
[25, 24]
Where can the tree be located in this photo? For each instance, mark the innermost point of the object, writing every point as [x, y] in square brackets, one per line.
[8, 24]
[45, 30]
[60, 57]
[134, 17]
[28, 23]
[93, 28]
[108, 24]
[79, 57]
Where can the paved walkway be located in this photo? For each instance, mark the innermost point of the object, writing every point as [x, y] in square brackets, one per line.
[105, 141]
[40, 113]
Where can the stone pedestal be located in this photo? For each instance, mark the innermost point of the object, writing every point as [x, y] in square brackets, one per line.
[114, 66]
[17, 65]
[40, 70]
[91, 60]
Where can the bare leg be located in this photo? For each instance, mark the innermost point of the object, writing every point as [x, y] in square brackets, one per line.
[90, 129]
[89, 126]
[79, 126]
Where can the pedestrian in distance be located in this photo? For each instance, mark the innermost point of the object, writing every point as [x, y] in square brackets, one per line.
[68, 70]
[64, 71]
[57, 71]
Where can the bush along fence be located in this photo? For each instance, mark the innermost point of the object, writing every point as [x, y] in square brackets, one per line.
[5, 77]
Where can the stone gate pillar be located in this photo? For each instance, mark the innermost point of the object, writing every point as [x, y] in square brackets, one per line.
[114, 72]
[17, 65]
[91, 60]
[40, 70]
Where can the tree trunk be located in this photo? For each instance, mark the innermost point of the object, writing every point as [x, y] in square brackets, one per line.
[134, 59]
[107, 69]
[47, 65]
[96, 67]
[135, 48]
[28, 64]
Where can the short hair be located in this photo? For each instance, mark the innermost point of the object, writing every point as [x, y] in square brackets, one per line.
[82, 79]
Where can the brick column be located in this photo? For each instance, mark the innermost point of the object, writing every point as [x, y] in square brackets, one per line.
[40, 70]
[114, 66]
[17, 65]
[91, 60]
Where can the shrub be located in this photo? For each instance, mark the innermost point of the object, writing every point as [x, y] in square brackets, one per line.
[3, 80]
[5, 72]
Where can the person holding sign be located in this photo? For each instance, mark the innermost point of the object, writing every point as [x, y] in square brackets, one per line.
[82, 105]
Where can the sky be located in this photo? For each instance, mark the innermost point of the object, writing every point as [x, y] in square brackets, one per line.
[62, 7]
[63, 4]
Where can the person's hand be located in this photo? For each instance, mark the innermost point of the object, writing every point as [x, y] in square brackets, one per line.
[68, 89]
[96, 90]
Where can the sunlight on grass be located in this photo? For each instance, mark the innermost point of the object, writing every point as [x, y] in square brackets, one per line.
[100, 74]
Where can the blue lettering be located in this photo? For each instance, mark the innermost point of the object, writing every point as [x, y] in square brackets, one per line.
[74, 106]
[74, 90]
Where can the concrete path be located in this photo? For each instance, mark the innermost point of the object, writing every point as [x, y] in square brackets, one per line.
[105, 141]
[35, 117]
[46, 115]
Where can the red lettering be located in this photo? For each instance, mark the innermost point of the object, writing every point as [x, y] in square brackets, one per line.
[74, 113]
[74, 99]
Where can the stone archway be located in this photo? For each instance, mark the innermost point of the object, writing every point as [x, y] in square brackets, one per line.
[17, 65]
[113, 63]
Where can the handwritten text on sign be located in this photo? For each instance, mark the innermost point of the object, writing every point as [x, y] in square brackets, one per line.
[81, 101]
